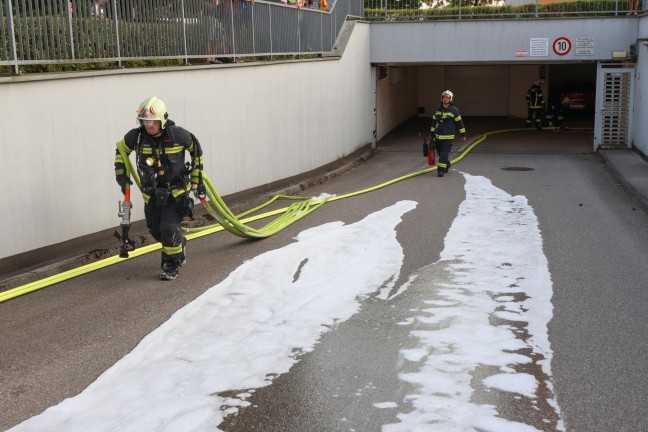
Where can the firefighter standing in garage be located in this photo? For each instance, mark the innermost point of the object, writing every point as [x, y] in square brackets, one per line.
[445, 121]
[160, 148]
[535, 104]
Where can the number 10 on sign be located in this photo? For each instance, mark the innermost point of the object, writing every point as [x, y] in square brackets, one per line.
[562, 46]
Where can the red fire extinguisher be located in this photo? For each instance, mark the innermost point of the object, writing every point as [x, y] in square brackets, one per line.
[430, 152]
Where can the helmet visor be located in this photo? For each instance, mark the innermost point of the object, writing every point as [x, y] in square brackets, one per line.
[149, 113]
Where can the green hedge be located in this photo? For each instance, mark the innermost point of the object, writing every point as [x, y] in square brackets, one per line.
[563, 9]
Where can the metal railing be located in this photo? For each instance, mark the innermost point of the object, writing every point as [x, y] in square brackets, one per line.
[83, 31]
[417, 10]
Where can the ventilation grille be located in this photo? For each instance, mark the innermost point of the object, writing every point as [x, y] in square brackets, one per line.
[615, 114]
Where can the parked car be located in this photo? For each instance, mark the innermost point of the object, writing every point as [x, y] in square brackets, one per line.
[578, 95]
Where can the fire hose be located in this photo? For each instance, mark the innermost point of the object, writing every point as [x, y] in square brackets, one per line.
[226, 220]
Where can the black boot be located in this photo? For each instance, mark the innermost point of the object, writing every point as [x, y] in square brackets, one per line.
[169, 271]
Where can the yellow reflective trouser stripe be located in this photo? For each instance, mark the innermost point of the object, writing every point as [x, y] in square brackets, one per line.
[172, 250]
[445, 137]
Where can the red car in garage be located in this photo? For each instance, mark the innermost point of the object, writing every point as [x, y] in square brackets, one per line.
[580, 95]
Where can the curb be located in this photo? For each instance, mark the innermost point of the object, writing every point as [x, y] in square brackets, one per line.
[637, 196]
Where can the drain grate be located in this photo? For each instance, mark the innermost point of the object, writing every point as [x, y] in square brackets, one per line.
[517, 169]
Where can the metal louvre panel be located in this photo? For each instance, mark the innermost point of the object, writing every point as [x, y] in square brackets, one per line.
[615, 114]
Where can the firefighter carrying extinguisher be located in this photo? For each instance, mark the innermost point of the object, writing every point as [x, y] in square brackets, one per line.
[445, 121]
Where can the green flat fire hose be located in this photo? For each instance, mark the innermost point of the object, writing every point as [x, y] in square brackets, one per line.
[226, 220]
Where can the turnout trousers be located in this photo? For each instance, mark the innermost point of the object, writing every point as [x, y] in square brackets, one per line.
[443, 148]
[163, 222]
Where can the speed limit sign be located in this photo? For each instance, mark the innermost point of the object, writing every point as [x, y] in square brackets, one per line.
[562, 46]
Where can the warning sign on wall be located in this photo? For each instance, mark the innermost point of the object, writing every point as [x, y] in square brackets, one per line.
[539, 47]
[584, 46]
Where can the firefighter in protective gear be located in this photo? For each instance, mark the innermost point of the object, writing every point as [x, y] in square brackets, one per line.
[535, 105]
[445, 122]
[556, 112]
[166, 179]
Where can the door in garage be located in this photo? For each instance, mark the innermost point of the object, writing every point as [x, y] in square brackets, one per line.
[612, 128]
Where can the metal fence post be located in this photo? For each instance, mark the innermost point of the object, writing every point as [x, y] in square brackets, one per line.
[117, 40]
[253, 34]
[184, 33]
[233, 34]
[14, 54]
[270, 22]
[69, 16]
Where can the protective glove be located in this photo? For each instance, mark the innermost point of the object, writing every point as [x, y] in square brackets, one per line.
[123, 180]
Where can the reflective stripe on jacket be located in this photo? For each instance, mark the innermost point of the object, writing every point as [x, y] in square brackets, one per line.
[534, 98]
[161, 160]
[445, 122]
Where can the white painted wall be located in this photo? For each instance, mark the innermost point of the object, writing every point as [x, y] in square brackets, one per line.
[479, 90]
[257, 123]
[396, 99]
[497, 41]
[640, 125]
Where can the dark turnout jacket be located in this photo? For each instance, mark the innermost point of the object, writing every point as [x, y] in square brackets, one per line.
[445, 123]
[161, 160]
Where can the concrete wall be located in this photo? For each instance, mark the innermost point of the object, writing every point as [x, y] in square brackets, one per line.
[396, 98]
[492, 41]
[641, 90]
[476, 95]
[257, 123]
[260, 123]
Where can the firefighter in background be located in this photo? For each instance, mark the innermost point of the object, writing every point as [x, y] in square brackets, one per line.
[556, 112]
[166, 179]
[445, 121]
[535, 104]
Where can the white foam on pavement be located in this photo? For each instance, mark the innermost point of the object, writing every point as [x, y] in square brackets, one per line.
[239, 334]
[497, 287]
[252, 327]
